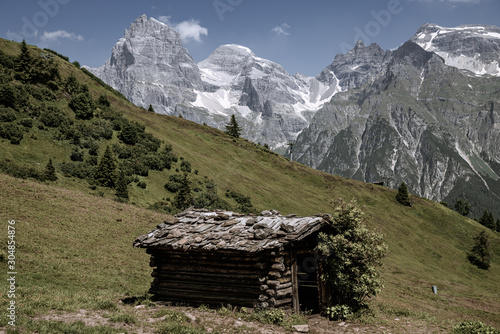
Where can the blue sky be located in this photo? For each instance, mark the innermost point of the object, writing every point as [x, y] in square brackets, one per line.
[303, 36]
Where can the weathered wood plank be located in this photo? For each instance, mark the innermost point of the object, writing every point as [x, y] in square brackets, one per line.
[210, 287]
[284, 293]
[193, 268]
[206, 277]
[212, 263]
[281, 302]
[295, 288]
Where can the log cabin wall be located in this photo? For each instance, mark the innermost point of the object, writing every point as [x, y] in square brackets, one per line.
[222, 257]
[214, 278]
[211, 278]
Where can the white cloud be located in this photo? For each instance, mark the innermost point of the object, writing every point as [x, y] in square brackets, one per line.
[281, 30]
[13, 36]
[53, 36]
[190, 30]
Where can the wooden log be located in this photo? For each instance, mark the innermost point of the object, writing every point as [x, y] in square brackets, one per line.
[270, 292]
[221, 269]
[210, 287]
[262, 279]
[281, 302]
[275, 274]
[263, 297]
[283, 293]
[213, 263]
[197, 276]
[253, 278]
[192, 294]
[278, 267]
[284, 286]
[210, 256]
[284, 279]
[273, 283]
[264, 287]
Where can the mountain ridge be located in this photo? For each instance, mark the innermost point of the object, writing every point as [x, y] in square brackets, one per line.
[413, 114]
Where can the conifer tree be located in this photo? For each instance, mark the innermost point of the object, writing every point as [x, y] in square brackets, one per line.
[50, 171]
[24, 62]
[151, 108]
[402, 196]
[184, 199]
[491, 222]
[462, 207]
[105, 173]
[232, 128]
[480, 254]
[129, 134]
[488, 220]
[498, 225]
[121, 186]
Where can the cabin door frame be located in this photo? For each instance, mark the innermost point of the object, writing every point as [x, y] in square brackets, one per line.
[312, 266]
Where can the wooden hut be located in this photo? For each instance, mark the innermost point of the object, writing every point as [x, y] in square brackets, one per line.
[223, 257]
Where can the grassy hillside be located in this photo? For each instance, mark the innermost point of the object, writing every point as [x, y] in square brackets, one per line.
[74, 241]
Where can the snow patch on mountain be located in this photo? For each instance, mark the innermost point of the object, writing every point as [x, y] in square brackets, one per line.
[229, 67]
[475, 48]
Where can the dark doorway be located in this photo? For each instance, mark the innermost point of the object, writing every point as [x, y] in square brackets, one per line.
[307, 282]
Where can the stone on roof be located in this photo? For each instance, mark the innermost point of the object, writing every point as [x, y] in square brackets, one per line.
[225, 230]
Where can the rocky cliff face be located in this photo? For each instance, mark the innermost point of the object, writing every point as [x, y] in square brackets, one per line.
[149, 65]
[419, 121]
[359, 66]
[475, 48]
[273, 106]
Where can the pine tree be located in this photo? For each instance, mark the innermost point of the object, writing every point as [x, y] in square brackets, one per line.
[402, 196]
[462, 207]
[480, 254]
[129, 134]
[151, 108]
[183, 199]
[83, 106]
[498, 225]
[491, 222]
[487, 220]
[232, 128]
[105, 173]
[121, 186]
[24, 62]
[50, 171]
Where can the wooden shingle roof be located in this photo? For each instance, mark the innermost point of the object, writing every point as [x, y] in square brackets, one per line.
[226, 230]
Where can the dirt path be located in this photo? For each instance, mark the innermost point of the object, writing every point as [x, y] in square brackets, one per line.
[148, 321]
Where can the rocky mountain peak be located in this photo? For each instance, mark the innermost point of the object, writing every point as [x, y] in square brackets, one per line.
[414, 53]
[475, 48]
[150, 65]
[357, 67]
[143, 27]
[230, 59]
[361, 50]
